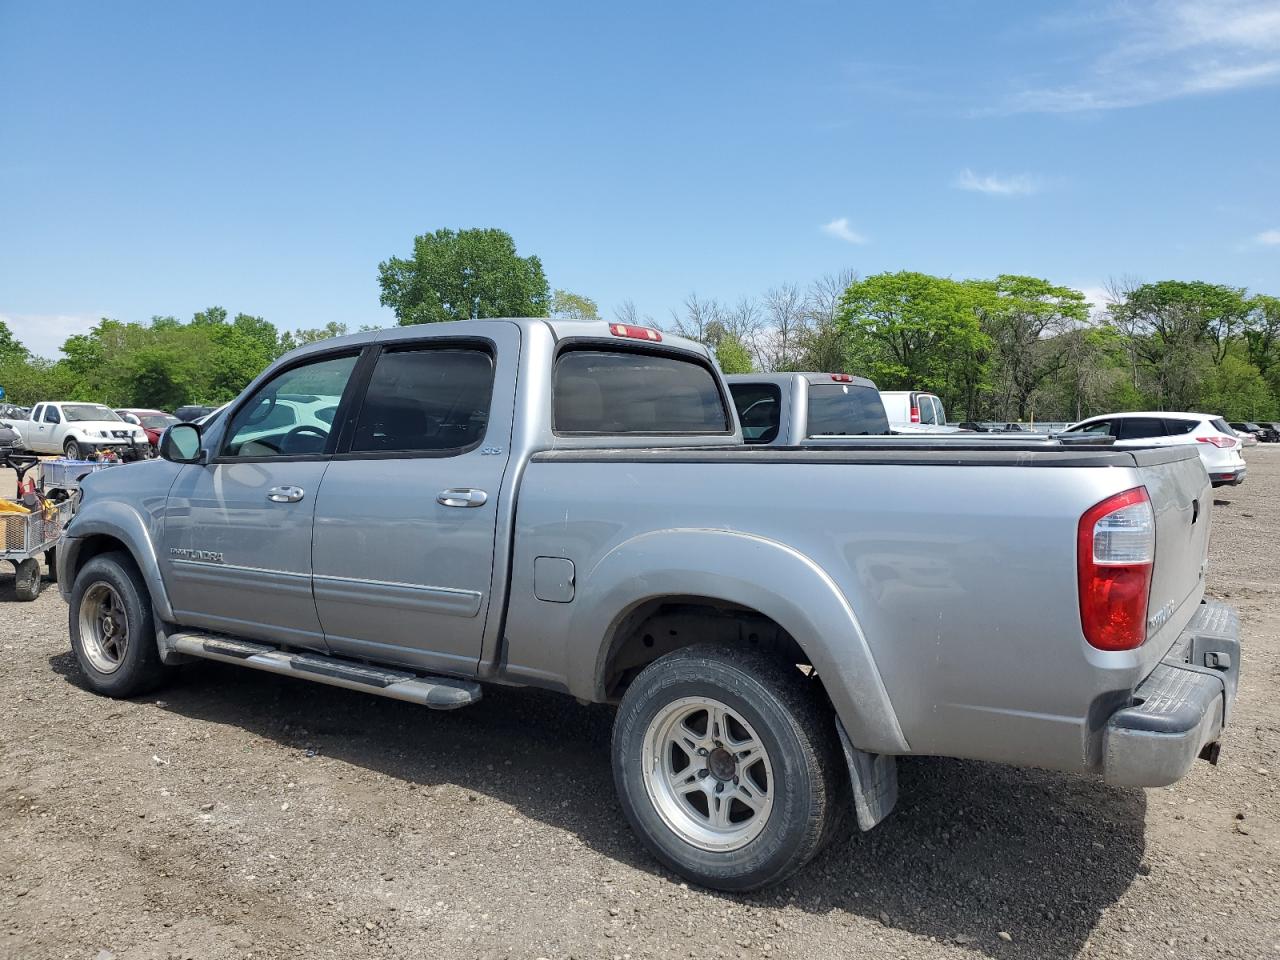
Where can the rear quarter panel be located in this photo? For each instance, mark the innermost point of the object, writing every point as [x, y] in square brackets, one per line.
[962, 580]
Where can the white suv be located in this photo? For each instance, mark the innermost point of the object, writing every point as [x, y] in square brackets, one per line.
[1218, 444]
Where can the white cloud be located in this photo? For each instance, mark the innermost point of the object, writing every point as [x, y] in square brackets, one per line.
[44, 333]
[1097, 296]
[1018, 185]
[840, 229]
[1166, 49]
[1269, 238]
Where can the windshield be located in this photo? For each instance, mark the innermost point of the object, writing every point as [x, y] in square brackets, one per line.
[157, 421]
[77, 412]
[845, 410]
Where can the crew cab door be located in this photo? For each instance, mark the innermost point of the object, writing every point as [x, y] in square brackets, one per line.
[46, 429]
[406, 516]
[237, 528]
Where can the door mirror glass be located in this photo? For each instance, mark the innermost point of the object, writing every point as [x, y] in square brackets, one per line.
[181, 443]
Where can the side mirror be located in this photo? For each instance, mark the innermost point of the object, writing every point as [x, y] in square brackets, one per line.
[181, 444]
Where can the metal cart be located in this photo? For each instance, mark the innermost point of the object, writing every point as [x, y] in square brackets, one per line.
[27, 535]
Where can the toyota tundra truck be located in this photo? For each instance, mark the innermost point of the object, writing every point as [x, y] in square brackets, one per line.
[570, 505]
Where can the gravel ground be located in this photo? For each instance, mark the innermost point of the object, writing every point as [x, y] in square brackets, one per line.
[239, 814]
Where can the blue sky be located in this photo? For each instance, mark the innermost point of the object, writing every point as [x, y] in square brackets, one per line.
[265, 157]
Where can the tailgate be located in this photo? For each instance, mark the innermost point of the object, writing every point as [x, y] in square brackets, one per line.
[1182, 499]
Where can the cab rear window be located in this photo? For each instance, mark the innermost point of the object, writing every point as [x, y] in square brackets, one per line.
[846, 410]
[635, 392]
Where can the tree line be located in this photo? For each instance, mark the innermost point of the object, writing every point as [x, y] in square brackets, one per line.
[1009, 348]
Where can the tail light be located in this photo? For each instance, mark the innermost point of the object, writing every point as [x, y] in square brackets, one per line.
[1219, 441]
[915, 414]
[1115, 550]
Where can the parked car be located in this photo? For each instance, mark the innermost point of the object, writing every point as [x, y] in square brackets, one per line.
[78, 429]
[1262, 432]
[912, 411]
[10, 438]
[790, 409]
[193, 412]
[152, 422]
[1214, 440]
[11, 413]
[570, 505]
[1246, 439]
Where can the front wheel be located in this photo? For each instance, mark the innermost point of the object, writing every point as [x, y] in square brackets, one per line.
[71, 449]
[727, 766]
[112, 633]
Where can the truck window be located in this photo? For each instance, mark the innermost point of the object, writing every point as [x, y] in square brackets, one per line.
[845, 410]
[269, 425]
[940, 415]
[923, 403]
[51, 414]
[635, 392]
[426, 401]
[759, 409]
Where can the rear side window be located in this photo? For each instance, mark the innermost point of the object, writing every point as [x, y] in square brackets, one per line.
[617, 392]
[939, 413]
[924, 404]
[1221, 426]
[759, 408]
[845, 410]
[1140, 428]
[1177, 428]
[425, 401]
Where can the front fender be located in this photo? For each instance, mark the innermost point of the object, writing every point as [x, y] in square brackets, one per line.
[120, 521]
[754, 572]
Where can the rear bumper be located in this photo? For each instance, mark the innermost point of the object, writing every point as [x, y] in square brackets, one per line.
[1227, 476]
[1177, 714]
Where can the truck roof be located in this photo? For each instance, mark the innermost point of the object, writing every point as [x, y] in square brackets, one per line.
[562, 328]
[780, 379]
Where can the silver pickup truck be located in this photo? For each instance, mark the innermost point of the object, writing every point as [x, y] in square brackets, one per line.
[570, 505]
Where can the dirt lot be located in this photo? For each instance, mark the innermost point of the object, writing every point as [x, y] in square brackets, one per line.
[239, 814]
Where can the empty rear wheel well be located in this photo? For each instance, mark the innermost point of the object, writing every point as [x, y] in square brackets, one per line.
[657, 627]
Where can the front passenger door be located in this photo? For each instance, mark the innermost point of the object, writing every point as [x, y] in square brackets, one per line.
[237, 529]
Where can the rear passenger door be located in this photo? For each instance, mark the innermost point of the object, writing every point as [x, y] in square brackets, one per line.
[406, 515]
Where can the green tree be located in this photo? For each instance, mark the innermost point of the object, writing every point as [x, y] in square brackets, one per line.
[1177, 329]
[573, 306]
[732, 356]
[10, 347]
[1236, 390]
[297, 338]
[463, 275]
[915, 331]
[1024, 316]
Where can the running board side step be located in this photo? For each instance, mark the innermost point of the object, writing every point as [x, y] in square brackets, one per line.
[437, 693]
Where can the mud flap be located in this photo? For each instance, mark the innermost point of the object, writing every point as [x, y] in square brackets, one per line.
[875, 781]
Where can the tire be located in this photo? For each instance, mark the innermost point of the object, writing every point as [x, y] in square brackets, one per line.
[71, 449]
[799, 800]
[112, 632]
[26, 579]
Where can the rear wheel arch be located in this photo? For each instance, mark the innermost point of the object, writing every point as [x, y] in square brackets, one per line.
[749, 582]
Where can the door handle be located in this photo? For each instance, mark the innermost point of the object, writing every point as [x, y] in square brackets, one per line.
[462, 497]
[285, 494]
